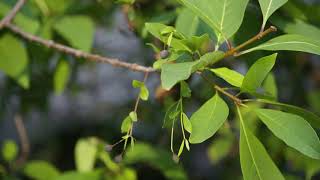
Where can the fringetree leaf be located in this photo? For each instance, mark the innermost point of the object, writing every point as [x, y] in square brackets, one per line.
[187, 23]
[208, 119]
[41, 170]
[312, 118]
[232, 77]
[78, 30]
[257, 73]
[185, 91]
[268, 7]
[289, 42]
[293, 130]
[254, 159]
[61, 76]
[168, 118]
[186, 123]
[85, 155]
[15, 65]
[126, 124]
[171, 74]
[224, 16]
[9, 150]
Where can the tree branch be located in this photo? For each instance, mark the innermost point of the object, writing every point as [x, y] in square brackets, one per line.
[9, 17]
[6, 22]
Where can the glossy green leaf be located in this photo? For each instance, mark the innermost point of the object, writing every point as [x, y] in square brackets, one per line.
[85, 155]
[186, 123]
[61, 77]
[254, 159]
[168, 118]
[40, 170]
[293, 130]
[171, 74]
[312, 118]
[224, 16]
[187, 23]
[257, 73]
[9, 150]
[185, 91]
[78, 30]
[289, 42]
[268, 7]
[126, 124]
[208, 119]
[232, 77]
[15, 65]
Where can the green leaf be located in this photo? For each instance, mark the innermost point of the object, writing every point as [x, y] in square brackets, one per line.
[144, 93]
[171, 74]
[40, 170]
[224, 16]
[208, 119]
[254, 159]
[92, 175]
[289, 42]
[168, 118]
[85, 155]
[185, 91]
[9, 150]
[126, 124]
[133, 115]
[181, 148]
[78, 30]
[270, 86]
[187, 144]
[187, 23]
[257, 73]
[125, 1]
[268, 7]
[61, 77]
[312, 118]
[293, 130]
[232, 77]
[15, 65]
[137, 84]
[186, 123]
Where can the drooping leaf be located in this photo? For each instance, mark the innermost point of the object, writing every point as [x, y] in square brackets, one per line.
[268, 7]
[181, 148]
[254, 159]
[187, 23]
[168, 118]
[85, 155]
[293, 130]
[126, 124]
[61, 77]
[14, 64]
[187, 144]
[208, 119]
[41, 170]
[9, 150]
[78, 30]
[186, 123]
[289, 42]
[224, 16]
[185, 91]
[312, 118]
[171, 74]
[232, 77]
[257, 73]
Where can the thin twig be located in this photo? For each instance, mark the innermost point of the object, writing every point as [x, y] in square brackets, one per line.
[78, 53]
[10, 16]
[24, 140]
[250, 41]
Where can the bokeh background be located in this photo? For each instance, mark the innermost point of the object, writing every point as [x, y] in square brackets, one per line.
[97, 97]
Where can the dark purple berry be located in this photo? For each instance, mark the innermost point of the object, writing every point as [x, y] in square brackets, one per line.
[164, 54]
